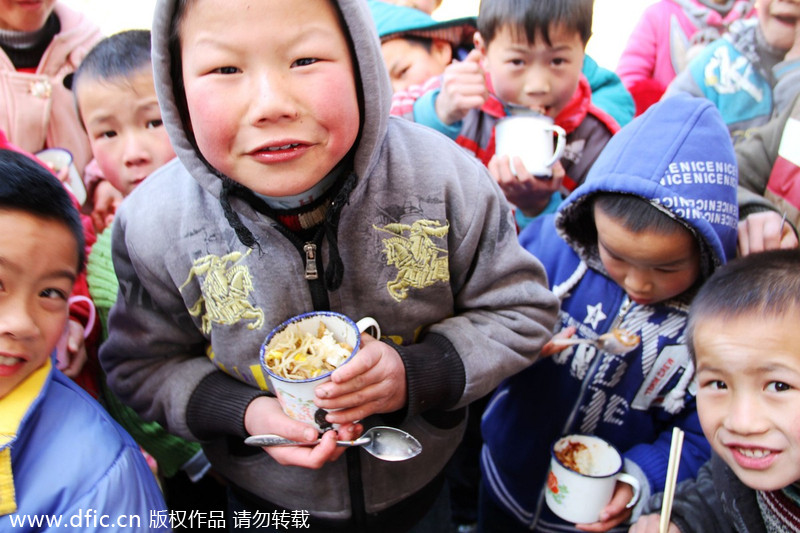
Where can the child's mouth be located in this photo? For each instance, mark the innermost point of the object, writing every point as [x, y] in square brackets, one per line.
[281, 148]
[753, 453]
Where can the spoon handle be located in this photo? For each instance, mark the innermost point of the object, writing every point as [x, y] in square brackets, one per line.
[562, 343]
[277, 440]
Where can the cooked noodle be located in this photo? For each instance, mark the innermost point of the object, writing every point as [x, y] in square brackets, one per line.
[295, 355]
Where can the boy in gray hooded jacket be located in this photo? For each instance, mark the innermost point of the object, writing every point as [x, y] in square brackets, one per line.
[294, 191]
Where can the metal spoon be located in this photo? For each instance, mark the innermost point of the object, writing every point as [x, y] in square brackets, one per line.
[617, 342]
[386, 443]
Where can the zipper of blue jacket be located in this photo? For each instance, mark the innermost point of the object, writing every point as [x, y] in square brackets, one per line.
[623, 310]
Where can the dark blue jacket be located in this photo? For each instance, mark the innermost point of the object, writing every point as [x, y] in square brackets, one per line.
[678, 156]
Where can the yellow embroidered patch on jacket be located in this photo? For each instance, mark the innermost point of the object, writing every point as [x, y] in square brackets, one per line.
[226, 291]
[413, 251]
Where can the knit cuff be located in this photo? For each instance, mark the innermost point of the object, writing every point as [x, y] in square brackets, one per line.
[425, 113]
[435, 375]
[217, 406]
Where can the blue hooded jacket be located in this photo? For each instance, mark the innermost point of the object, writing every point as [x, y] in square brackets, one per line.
[678, 156]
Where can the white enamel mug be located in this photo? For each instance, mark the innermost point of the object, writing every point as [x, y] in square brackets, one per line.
[530, 137]
[578, 496]
[296, 396]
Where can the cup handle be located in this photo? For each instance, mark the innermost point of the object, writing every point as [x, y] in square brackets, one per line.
[560, 144]
[367, 323]
[634, 483]
[92, 312]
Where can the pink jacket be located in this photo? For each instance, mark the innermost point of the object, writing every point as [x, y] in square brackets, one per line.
[658, 46]
[36, 110]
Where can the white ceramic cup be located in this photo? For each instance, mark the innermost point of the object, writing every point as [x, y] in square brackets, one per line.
[59, 158]
[579, 497]
[296, 396]
[530, 137]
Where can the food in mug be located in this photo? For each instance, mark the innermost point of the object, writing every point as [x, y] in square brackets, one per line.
[297, 355]
[575, 456]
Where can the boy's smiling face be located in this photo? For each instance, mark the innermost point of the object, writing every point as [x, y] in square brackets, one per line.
[270, 90]
[38, 266]
[748, 398]
[536, 75]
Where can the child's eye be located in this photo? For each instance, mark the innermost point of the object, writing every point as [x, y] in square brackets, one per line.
[778, 386]
[155, 123]
[558, 61]
[107, 134]
[53, 294]
[304, 62]
[715, 384]
[516, 63]
[226, 70]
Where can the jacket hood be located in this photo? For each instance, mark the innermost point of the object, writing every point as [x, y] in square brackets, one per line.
[679, 157]
[374, 90]
[394, 21]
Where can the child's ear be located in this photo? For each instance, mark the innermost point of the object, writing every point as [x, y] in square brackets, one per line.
[441, 52]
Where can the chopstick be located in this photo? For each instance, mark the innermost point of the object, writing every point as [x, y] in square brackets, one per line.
[672, 477]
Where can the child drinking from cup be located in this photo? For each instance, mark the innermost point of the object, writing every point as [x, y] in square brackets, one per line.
[626, 251]
[529, 57]
[293, 191]
[743, 337]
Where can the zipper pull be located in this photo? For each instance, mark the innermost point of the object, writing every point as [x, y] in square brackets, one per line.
[311, 260]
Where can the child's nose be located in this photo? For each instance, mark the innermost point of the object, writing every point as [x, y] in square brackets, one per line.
[135, 151]
[273, 100]
[16, 320]
[537, 81]
[744, 416]
[637, 281]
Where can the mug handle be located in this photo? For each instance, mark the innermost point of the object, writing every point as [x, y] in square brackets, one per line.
[634, 483]
[560, 144]
[92, 312]
[368, 323]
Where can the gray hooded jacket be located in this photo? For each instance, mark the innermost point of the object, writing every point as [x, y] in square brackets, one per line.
[422, 239]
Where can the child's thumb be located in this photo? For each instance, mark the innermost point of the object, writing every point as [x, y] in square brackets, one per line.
[474, 56]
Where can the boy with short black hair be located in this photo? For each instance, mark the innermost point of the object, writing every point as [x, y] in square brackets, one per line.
[627, 250]
[295, 191]
[529, 57]
[744, 339]
[61, 455]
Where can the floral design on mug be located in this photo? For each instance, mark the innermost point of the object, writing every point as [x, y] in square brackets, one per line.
[558, 491]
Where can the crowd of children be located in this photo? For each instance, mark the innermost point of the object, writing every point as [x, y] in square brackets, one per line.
[248, 162]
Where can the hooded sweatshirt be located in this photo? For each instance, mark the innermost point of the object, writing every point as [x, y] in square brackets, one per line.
[678, 156]
[419, 237]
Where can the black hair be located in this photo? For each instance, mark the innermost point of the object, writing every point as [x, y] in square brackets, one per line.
[535, 16]
[26, 185]
[635, 213]
[119, 56]
[425, 43]
[760, 284]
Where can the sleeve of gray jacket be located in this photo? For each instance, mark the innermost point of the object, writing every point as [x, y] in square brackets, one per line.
[151, 354]
[504, 311]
